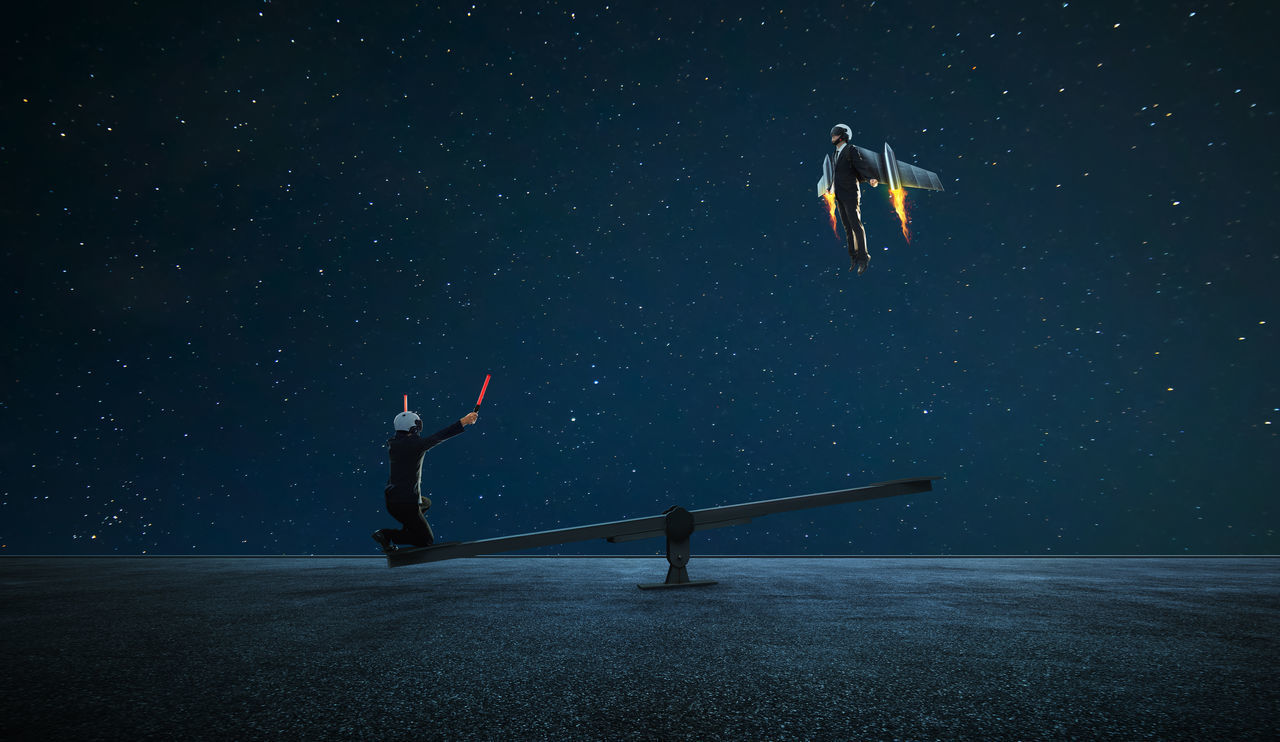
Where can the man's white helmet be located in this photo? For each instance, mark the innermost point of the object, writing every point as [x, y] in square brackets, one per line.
[408, 421]
[843, 129]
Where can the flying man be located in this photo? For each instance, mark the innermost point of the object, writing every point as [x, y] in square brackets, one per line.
[850, 165]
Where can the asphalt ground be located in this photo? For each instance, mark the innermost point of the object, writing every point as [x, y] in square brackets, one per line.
[569, 648]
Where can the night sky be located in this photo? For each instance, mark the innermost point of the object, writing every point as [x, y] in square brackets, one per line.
[236, 234]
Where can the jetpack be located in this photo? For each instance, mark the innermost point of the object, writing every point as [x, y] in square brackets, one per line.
[889, 169]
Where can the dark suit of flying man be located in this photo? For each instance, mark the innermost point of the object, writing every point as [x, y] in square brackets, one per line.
[850, 169]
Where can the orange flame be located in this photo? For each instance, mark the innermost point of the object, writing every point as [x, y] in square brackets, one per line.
[899, 196]
[830, 198]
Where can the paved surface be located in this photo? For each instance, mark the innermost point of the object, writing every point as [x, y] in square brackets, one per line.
[524, 648]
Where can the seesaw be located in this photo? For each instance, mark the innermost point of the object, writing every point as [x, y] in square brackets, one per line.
[676, 523]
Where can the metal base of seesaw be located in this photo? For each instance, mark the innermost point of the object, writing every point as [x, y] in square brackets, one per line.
[677, 583]
[678, 527]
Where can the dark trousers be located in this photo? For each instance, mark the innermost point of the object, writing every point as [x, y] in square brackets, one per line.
[416, 531]
[851, 218]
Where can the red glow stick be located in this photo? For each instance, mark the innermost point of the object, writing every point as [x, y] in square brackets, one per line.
[406, 403]
[481, 399]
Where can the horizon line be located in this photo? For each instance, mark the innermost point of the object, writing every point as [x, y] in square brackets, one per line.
[650, 556]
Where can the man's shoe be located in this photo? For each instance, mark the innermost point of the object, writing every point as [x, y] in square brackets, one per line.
[424, 504]
[384, 541]
[861, 262]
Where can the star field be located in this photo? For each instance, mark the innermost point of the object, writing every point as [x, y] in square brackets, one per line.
[237, 234]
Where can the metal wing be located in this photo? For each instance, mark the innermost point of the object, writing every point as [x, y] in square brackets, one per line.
[911, 176]
[895, 173]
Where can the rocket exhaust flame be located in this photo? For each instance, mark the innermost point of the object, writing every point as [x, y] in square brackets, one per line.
[899, 196]
[830, 198]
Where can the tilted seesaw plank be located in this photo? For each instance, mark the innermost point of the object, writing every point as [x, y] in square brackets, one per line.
[677, 524]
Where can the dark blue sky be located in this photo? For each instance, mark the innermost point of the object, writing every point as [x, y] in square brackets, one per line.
[237, 233]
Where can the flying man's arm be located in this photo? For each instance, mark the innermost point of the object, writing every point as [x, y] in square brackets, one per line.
[440, 436]
[865, 169]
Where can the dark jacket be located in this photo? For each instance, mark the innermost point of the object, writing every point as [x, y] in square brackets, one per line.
[851, 168]
[405, 452]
